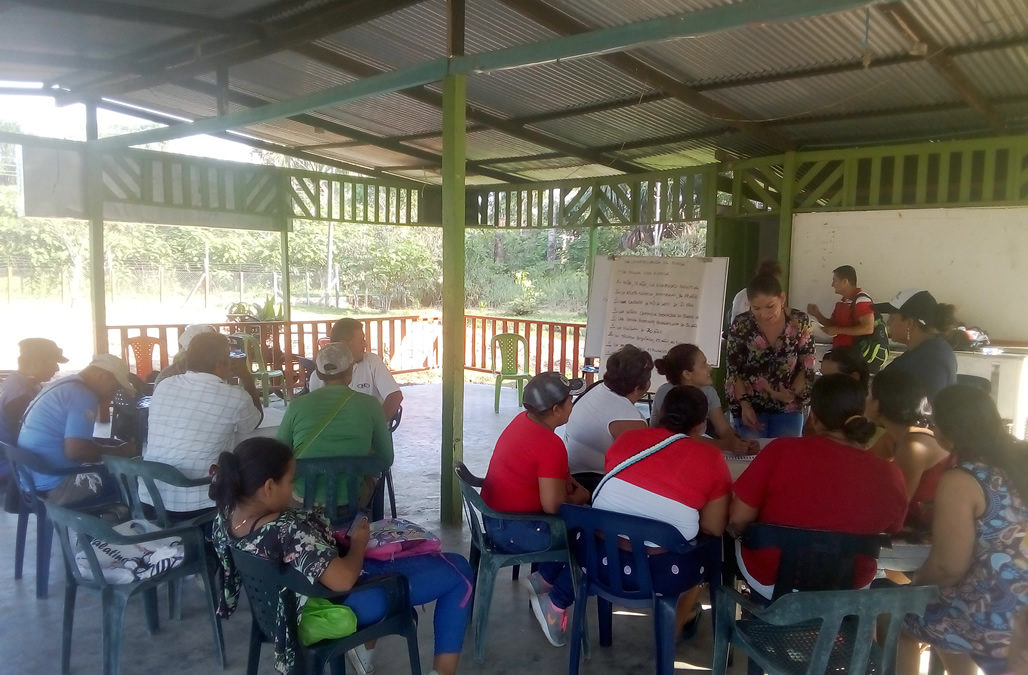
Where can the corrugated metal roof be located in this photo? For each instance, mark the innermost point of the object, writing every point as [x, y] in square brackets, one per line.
[854, 106]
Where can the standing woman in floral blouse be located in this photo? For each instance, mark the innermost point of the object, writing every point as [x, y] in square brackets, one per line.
[770, 363]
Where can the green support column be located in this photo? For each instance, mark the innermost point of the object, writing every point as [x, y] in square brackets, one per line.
[287, 297]
[708, 211]
[454, 92]
[785, 216]
[94, 213]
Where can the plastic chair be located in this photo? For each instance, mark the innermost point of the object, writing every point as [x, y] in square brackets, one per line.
[30, 502]
[327, 472]
[264, 579]
[816, 632]
[508, 343]
[142, 348]
[599, 536]
[75, 531]
[255, 364]
[487, 560]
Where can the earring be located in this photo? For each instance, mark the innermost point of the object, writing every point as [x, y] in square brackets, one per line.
[908, 334]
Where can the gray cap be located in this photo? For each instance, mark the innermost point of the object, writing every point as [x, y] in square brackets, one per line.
[334, 358]
[546, 390]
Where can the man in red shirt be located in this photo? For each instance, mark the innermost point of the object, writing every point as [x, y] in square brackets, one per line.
[853, 315]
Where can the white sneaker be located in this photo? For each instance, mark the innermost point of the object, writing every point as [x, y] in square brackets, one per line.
[360, 660]
[553, 620]
[535, 584]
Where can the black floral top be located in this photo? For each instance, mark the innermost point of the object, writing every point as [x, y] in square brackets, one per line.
[755, 367]
[302, 539]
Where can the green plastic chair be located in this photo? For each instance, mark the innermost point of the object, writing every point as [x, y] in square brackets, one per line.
[508, 370]
[816, 632]
[325, 474]
[75, 531]
[487, 560]
[255, 364]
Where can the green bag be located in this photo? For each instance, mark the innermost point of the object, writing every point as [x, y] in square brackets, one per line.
[324, 620]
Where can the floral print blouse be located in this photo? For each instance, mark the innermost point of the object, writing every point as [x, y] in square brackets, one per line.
[755, 367]
[302, 539]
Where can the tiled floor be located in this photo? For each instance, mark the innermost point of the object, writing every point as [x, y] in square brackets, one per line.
[30, 629]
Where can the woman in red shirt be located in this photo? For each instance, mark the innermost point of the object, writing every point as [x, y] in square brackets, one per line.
[821, 482]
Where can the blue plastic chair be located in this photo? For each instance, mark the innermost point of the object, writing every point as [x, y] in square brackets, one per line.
[263, 579]
[598, 536]
[76, 531]
[30, 502]
[487, 560]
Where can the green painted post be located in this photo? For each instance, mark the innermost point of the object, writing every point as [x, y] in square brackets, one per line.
[785, 215]
[454, 141]
[708, 210]
[92, 166]
[287, 297]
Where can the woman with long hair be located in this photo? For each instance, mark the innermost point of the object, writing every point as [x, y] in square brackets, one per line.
[979, 556]
[686, 364]
[770, 363]
[253, 490]
[822, 482]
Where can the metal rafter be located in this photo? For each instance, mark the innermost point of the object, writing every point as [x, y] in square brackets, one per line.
[311, 25]
[562, 24]
[121, 11]
[905, 21]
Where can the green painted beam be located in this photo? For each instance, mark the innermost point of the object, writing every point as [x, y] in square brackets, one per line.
[454, 146]
[593, 43]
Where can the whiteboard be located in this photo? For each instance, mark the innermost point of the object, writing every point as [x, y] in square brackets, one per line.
[655, 303]
[973, 258]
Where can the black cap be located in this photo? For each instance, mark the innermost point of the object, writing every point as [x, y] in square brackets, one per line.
[41, 349]
[911, 302]
[546, 390]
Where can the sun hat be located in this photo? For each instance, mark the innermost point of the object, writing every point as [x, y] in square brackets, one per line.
[115, 366]
[41, 349]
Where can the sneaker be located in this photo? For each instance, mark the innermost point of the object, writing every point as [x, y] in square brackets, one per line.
[552, 619]
[360, 660]
[535, 584]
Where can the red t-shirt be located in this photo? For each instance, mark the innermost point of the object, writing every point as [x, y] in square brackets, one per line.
[524, 453]
[845, 317]
[686, 471]
[819, 484]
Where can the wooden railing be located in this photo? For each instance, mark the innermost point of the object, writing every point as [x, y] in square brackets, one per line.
[408, 343]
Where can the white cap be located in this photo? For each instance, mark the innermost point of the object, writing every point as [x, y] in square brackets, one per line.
[191, 331]
[334, 358]
[115, 366]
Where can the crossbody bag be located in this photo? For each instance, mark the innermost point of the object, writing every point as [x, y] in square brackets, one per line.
[298, 450]
[638, 457]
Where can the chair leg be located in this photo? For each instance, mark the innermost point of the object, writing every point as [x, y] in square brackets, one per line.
[605, 616]
[412, 649]
[175, 599]
[579, 628]
[664, 634]
[483, 599]
[496, 404]
[724, 622]
[153, 622]
[208, 592]
[19, 541]
[70, 590]
[521, 393]
[113, 608]
[266, 390]
[44, 545]
[392, 494]
[515, 572]
[253, 659]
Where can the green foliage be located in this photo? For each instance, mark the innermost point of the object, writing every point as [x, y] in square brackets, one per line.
[527, 301]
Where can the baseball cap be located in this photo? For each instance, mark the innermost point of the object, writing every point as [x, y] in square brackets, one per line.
[334, 358]
[191, 331]
[115, 366]
[911, 302]
[39, 349]
[546, 390]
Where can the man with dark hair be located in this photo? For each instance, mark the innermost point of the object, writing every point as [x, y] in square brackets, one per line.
[194, 417]
[370, 374]
[853, 315]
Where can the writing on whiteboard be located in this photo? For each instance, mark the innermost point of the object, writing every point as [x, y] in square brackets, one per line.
[653, 303]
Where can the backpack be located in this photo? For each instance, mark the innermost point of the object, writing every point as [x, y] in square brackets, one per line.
[874, 347]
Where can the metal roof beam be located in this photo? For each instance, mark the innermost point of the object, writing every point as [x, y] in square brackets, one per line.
[592, 43]
[904, 20]
[121, 11]
[312, 25]
[49, 60]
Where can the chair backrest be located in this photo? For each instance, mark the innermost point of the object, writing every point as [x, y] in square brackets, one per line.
[599, 537]
[129, 472]
[23, 463]
[508, 345]
[975, 381]
[142, 348]
[326, 473]
[263, 579]
[251, 346]
[394, 423]
[474, 506]
[813, 560]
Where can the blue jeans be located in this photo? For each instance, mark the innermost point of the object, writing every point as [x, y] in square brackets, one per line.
[523, 536]
[772, 425]
[445, 578]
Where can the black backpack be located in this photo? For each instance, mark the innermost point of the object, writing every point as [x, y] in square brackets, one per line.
[874, 347]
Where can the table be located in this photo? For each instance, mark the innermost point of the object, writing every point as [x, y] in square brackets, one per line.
[268, 426]
[904, 556]
[738, 463]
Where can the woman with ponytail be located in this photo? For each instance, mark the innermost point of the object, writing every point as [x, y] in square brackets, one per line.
[898, 404]
[827, 481]
[252, 487]
[979, 556]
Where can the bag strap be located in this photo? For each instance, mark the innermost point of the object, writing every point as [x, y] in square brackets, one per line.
[298, 450]
[35, 399]
[637, 458]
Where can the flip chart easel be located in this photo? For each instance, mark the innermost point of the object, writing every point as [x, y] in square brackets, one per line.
[655, 303]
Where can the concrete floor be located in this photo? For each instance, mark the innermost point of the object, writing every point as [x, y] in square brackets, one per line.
[30, 629]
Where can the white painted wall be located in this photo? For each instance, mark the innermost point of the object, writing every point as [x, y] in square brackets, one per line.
[974, 258]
